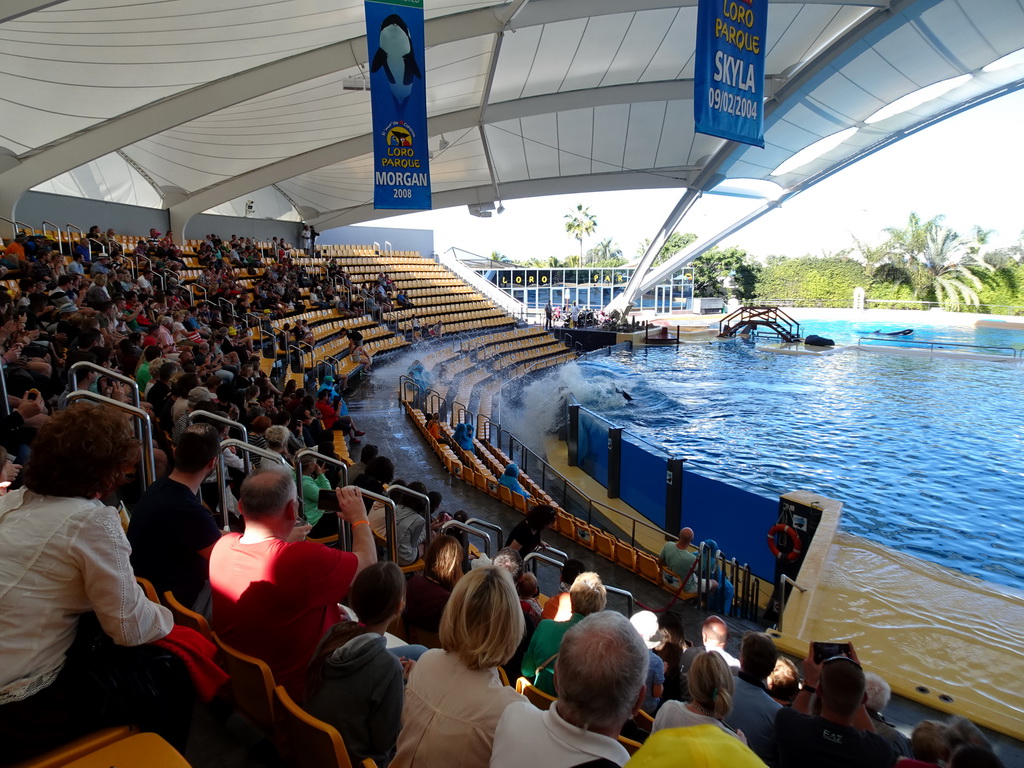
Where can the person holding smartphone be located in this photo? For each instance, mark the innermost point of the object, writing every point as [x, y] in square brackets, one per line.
[281, 621]
[842, 735]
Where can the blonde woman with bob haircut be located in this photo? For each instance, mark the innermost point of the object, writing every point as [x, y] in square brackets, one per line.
[711, 696]
[455, 696]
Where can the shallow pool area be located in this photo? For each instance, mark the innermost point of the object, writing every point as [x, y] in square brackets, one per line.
[926, 453]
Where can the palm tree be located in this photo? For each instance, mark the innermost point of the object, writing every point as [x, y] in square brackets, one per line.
[579, 224]
[604, 251]
[907, 244]
[934, 261]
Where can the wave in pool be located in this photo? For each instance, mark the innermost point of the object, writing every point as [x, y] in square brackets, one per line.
[926, 454]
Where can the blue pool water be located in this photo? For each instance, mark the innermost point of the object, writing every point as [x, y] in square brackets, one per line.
[927, 454]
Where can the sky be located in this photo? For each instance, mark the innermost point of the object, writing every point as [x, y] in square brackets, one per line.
[969, 168]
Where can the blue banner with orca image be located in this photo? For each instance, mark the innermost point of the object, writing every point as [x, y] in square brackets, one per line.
[728, 79]
[398, 96]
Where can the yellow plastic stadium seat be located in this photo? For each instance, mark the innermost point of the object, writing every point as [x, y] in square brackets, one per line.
[413, 567]
[564, 523]
[149, 589]
[520, 503]
[80, 747]
[534, 695]
[630, 745]
[186, 617]
[141, 749]
[644, 721]
[604, 544]
[625, 555]
[252, 686]
[583, 533]
[308, 742]
[647, 567]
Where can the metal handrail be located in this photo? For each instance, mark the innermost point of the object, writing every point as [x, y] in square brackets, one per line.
[312, 350]
[783, 581]
[390, 521]
[630, 602]
[480, 419]
[81, 234]
[442, 403]
[193, 415]
[1014, 352]
[60, 241]
[529, 455]
[193, 287]
[101, 244]
[145, 429]
[221, 301]
[456, 407]
[426, 507]
[403, 383]
[24, 227]
[85, 364]
[13, 225]
[459, 525]
[163, 282]
[537, 557]
[222, 475]
[344, 534]
[554, 550]
[5, 404]
[168, 275]
[481, 523]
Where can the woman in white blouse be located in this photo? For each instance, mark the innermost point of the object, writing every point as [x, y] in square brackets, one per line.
[455, 697]
[63, 557]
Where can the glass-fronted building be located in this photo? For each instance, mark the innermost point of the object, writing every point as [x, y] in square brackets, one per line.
[591, 288]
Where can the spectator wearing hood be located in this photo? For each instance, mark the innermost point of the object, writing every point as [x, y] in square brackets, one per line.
[464, 437]
[353, 682]
[510, 479]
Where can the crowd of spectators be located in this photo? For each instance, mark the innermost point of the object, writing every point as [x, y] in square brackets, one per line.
[84, 648]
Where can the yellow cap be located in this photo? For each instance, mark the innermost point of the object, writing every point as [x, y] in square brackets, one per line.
[697, 746]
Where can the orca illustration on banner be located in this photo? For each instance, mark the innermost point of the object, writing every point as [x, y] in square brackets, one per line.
[397, 57]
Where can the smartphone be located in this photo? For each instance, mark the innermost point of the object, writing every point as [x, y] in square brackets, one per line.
[32, 394]
[328, 501]
[824, 651]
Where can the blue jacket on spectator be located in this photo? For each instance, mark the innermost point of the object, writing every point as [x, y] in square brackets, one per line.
[510, 479]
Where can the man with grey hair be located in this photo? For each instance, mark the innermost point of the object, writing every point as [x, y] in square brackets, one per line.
[600, 674]
[274, 594]
[877, 694]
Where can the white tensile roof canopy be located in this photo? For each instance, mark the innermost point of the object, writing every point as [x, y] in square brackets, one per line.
[198, 106]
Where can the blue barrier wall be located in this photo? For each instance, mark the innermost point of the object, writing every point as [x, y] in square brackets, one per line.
[735, 518]
[643, 479]
[592, 456]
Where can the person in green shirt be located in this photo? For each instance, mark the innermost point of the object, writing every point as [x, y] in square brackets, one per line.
[587, 595]
[677, 557]
[313, 481]
[142, 373]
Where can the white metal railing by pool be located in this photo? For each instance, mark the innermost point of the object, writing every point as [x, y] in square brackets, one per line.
[933, 345]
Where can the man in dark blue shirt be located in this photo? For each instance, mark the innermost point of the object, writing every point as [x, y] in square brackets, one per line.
[171, 532]
[842, 736]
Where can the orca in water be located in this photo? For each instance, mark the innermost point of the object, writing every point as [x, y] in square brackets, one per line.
[626, 395]
[397, 57]
[904, 332]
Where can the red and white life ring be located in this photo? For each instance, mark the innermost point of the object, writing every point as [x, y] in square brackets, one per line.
[789, 555]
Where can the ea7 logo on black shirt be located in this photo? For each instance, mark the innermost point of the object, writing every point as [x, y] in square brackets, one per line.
[835, 738]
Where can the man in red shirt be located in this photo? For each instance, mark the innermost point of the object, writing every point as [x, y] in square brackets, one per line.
[275, 595]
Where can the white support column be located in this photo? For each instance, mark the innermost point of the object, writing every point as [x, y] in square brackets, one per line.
[624, 302]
